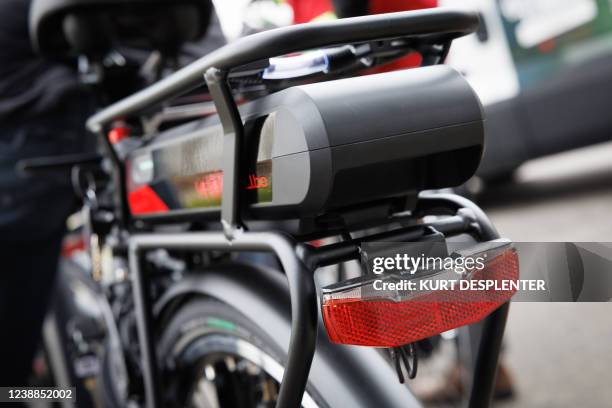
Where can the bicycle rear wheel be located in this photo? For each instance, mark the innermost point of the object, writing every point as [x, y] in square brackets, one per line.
[213, 356]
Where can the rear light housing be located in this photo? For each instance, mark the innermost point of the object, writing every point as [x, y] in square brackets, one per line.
[361, 312]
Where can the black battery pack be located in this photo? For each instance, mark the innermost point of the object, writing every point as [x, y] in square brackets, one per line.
[324, 147]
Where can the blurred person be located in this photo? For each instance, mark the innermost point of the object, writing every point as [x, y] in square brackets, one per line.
[312, 10]
[42, 113]
[43, 109]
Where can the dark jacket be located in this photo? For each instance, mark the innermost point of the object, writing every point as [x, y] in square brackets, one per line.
[42, 113]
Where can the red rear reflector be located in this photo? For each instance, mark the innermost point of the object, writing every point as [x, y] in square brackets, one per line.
[356, 313]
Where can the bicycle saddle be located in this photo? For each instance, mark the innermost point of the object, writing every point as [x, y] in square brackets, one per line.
[62, 28]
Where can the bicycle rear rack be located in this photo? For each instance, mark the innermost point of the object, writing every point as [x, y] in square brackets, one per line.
[299, 263]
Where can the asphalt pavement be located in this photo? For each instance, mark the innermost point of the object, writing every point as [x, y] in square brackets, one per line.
[560, 354]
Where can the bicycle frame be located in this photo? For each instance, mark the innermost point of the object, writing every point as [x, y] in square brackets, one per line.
[437, 29]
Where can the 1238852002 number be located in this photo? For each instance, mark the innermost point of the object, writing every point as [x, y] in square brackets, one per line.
[13, 394]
